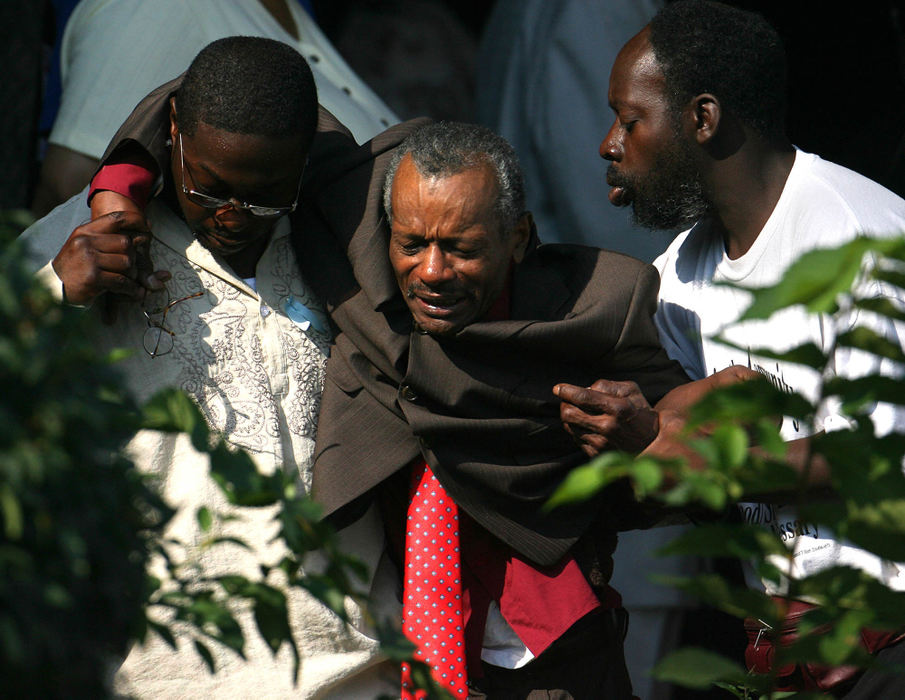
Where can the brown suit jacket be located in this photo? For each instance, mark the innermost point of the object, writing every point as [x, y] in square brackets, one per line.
[479, 406]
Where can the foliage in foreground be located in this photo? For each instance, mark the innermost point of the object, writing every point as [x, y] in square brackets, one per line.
[77, 520]
[868, 503]
[79, 524]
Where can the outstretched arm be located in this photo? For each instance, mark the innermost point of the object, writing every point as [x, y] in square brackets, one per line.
[616, 416]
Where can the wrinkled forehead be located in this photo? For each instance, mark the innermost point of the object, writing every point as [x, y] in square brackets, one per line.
[448, 201]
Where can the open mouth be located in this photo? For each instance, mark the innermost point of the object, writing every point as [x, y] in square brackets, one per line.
[619, 195]
[436, 305]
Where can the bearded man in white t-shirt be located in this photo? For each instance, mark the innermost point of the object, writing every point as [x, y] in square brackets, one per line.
[699, 140]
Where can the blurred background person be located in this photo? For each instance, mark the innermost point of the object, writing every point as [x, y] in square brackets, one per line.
[542, 84]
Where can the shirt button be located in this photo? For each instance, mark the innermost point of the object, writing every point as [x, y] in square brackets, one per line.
[408, 393]
[265, 311]
[314, 58]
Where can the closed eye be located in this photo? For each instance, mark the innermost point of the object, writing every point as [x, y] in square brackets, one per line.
[409, 246]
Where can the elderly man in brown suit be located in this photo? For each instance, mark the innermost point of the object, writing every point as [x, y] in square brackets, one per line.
[447, 353]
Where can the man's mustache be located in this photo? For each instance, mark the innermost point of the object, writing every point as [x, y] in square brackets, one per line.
[416, 288]
[616, 179]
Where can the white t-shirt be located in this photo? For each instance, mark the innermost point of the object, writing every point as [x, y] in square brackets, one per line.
[822, 205]
[114, 52]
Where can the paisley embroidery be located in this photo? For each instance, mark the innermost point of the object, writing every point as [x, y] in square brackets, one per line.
[256, 374]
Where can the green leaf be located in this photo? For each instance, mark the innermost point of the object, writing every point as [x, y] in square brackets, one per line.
[212, 618]
[231, 540]
[882, 306]
[768, 437]
[725, 540]
[205, 518]
[239, 479]
[271, 616]
[808, 354]
[836, 646]
[871, 341]
[205, 655]
[719, 593]
[890, 276]
[765, 475]
[395, 645]
[698, 487]
[583, 482]
[13, 523]
[325, 590]
[732, 442]
[164, 633]
[301, 527]
[842, 588]
[646, 475]
[234, 584]
[696, 668]
[856, 392]
[749, 402]
[817, 278]
[879, 528]
[118, 355]
[863, 477]
[173, 411]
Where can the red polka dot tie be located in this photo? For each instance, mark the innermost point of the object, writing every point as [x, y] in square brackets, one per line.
[432, 588]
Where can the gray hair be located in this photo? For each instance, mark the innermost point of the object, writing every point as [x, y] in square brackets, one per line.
[442, 149]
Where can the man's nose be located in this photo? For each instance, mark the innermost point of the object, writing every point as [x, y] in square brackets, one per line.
[435, 268]
[232, 217]
[611, 146]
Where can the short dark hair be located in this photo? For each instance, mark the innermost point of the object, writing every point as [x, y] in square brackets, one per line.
[445, 148]
[249, 85]
[705, 46]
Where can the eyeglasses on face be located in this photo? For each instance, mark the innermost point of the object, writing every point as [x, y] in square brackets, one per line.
[209, 202]
[158, 340]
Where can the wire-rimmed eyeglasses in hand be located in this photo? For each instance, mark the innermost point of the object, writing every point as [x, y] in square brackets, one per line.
[158, 339]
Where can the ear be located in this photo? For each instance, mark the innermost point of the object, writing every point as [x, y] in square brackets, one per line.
[174, 131]
[706, 114]
[521, 235]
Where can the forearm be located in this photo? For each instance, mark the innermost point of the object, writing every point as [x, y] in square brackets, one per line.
[673, 409]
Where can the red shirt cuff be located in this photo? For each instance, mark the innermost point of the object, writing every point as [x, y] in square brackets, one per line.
[127, 179]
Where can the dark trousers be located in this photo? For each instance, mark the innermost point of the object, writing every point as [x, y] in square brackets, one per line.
[586, 663]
